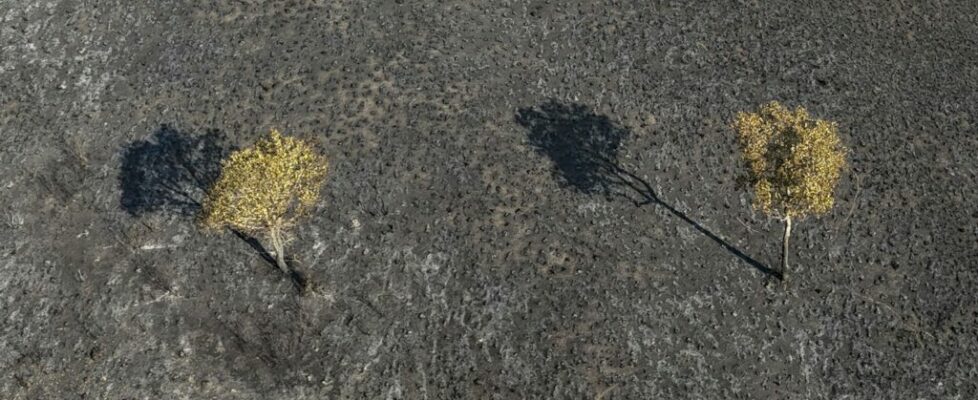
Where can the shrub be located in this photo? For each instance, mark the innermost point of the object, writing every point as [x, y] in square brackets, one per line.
[265, 189]
[793, 162]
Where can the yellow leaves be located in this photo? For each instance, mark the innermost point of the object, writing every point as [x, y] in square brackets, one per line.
[793, 161]
[266, 186]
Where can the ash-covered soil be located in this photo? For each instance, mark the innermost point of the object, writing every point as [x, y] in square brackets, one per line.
[528, 199]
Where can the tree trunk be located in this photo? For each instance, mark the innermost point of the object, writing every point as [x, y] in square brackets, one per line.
[784, 249]
[276, 237]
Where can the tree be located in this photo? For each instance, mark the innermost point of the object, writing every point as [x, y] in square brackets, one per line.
[793, 162]
[265, 189]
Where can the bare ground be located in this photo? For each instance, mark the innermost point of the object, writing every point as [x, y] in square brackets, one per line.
[529, 199]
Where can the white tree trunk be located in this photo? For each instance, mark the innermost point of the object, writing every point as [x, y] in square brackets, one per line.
[276, 238]
[784, 249]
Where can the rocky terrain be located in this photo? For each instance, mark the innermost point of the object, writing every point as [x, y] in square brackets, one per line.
[528, 199]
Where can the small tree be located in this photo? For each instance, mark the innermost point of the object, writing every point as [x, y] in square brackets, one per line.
[793, 164]
[265, 189]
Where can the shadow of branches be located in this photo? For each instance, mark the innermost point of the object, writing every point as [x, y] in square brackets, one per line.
[584, 147]
[170, 171]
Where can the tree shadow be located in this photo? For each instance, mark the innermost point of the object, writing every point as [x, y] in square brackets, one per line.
[584, 147]
[170, 172]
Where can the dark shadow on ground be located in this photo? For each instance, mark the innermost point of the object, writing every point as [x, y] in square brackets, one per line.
[170, 171]
[584, 149]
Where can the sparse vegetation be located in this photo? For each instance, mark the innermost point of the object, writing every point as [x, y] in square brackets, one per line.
[265, 189]
[793, 162]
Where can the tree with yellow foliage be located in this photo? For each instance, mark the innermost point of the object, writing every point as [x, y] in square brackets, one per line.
[265, 189]
[793, 162]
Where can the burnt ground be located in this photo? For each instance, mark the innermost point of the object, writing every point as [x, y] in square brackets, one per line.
[528, 199]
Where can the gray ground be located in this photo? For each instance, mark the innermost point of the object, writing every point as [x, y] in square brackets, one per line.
[528, 199]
